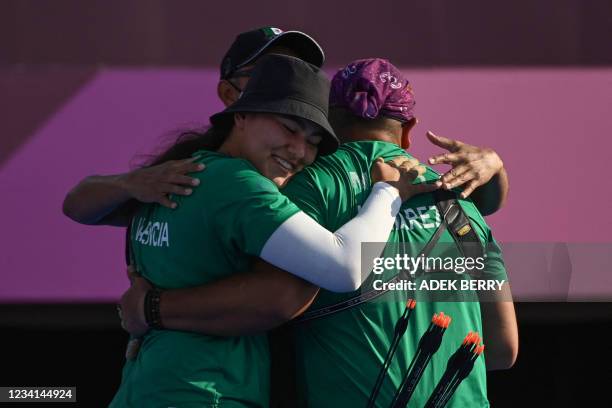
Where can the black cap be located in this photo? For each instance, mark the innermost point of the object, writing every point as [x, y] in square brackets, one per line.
[288, 86]
[249, 45]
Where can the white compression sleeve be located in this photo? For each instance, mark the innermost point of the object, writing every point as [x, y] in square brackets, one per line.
[333, 261]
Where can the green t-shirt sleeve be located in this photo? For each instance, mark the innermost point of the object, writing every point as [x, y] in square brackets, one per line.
[303, 191]
[247, 207]
[495, 268]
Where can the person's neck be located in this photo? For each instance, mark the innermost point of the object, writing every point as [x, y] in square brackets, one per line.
[230, 147]
[375, 136]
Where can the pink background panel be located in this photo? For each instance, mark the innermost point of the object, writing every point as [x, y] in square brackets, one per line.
[552, 127]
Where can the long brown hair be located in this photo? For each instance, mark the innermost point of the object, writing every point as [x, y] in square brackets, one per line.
[190, 141]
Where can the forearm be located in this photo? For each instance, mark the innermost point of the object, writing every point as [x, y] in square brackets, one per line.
[333, 260]
[241, 304]
[491, 196]
[500, 331]
[94, 199]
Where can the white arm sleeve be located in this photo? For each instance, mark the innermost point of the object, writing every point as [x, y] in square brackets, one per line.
[333, 260]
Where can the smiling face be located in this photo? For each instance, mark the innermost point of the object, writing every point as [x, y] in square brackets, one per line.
[278, 146]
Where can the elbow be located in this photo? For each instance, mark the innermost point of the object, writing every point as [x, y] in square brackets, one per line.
[351, 279]
[295, 302]
[511, 347]
[70, 209]
[489, 209]
[344, 287]
[510, 356]
[284, 309]
[285, 298]
[352, 285]
[487, 203]
[504, 358]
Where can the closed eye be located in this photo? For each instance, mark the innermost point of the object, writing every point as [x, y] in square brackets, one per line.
[289, 129]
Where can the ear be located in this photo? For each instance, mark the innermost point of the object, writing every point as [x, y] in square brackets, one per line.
[239, 120]
[406, 128]
[226, 93]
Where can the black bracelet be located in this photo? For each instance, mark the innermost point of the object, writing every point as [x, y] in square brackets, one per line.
[151, 308]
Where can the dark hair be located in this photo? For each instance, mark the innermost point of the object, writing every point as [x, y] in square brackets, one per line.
[183, 146]
[190, 141]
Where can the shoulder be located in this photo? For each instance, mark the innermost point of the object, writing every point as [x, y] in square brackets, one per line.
[217, 163]
[223, 170]
[476, 218]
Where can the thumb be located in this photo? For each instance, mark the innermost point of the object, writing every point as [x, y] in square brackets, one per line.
[443, 142]
[376, 165]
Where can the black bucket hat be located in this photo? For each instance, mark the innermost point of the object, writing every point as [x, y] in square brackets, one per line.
[248, 46]
[288, 86]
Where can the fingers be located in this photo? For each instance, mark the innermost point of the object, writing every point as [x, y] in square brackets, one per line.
[408, 188]
[187, 166]
[409, 174]
[174, 189]
[180, 179]
[410, 167]
[454, 173]
[175, 184]
[166, 202]
[163, 196]
[409, 164]
[415, 171]
[447, 158]
[420, 170]
[443, 142]
[401, 162]
[188, 160]
[469, 189]
[460, 180]
[396, 162]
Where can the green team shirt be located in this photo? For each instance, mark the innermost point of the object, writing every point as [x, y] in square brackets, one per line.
[212, 234]
[339, 356]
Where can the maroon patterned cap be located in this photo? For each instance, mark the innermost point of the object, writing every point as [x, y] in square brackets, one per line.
[371, 88]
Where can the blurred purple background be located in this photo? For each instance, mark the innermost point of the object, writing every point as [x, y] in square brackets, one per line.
[87, 86]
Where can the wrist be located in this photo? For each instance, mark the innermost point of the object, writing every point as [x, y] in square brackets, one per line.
[123, 183]
[496, 159]
[392, 191]
[388, 187]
